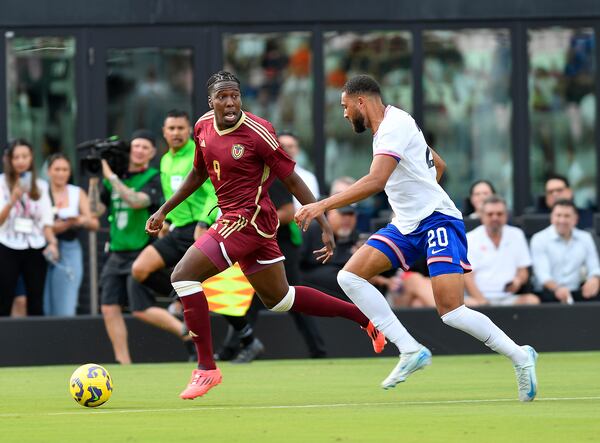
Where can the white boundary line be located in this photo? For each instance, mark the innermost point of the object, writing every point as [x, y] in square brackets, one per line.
[201, 408]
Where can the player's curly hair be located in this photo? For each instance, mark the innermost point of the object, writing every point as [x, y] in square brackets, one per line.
[361, 84]
[221, 76]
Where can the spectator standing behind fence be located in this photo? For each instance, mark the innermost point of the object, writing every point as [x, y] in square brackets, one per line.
[500, 258]
[562, 254]
[130, 199]
[25, 229]
[71, 209]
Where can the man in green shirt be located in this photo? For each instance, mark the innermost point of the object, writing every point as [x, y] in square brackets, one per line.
[188, 220]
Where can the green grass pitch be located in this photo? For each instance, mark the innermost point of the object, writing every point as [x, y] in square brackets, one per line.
[462, 399]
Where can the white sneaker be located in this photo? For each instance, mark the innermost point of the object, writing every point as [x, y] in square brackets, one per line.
[526, 378]
[408, 364]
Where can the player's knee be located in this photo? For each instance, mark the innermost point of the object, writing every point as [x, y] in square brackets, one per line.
[286, 303]
[453, 318]
[178, 273]
[348, 280]
[139, 271]
[184, 288]
[140, 315]
[110, 310]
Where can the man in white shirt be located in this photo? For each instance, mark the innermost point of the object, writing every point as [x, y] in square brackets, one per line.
[425, 221]
[563, 256]
[289, 143]
[500, 258]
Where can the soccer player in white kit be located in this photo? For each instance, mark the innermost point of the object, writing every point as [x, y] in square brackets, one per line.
[426, 221]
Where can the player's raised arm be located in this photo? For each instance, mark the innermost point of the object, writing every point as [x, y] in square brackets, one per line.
[193, 181]
[372, 183]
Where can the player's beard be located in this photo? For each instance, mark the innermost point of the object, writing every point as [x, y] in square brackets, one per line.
[358, 124]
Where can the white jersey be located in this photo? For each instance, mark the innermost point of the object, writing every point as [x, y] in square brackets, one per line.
[412, 190]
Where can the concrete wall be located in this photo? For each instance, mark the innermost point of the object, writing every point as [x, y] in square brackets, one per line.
[44, 341]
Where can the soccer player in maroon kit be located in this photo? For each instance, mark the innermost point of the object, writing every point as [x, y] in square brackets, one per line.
[240, 154]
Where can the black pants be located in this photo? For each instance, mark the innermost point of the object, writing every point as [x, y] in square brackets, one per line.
[548, 296]
[31, 264]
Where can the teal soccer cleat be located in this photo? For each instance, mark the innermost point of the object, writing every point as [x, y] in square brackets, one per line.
[408, 364]
[526, 378]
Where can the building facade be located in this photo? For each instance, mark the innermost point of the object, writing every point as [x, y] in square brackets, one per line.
[505, 91]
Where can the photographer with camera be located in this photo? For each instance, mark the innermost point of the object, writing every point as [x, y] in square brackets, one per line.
[130, 197]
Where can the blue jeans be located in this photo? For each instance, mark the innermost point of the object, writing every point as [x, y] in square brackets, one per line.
[63, 280]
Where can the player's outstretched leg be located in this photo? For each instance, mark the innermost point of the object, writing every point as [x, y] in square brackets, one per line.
[270, 283]
[413, 355]
[448, 290]
[313, 302]
[195, 312]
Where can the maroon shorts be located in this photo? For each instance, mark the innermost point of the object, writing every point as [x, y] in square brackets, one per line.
[224, 245]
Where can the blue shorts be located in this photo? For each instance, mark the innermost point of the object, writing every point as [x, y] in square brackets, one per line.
[441, 237]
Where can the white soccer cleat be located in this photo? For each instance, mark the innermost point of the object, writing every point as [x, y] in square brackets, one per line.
[526, 378]
[408, 364]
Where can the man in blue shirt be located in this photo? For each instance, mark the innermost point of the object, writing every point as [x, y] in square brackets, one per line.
[560, 254]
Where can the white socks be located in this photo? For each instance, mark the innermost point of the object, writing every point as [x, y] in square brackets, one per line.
[373, 304]
[483, 329]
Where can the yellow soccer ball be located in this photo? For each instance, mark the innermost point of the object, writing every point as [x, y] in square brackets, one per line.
[91, 385]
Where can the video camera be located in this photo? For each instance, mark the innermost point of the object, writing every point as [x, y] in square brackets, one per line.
[112, 149]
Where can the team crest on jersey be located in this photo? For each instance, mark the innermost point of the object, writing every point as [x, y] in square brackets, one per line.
[237, 151]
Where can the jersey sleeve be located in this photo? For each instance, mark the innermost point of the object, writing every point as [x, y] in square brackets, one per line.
[267, 146]
[394, 140]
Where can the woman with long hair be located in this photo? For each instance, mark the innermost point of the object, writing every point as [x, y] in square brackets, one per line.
[71, 209]
[478, 192]
[25, 229]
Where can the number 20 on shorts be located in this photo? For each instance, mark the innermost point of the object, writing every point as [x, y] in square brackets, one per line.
[437, 237]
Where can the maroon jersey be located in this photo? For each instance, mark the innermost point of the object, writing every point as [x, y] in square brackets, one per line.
[242, 162]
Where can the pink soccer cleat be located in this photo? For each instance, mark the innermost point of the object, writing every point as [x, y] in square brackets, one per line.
[201, 382]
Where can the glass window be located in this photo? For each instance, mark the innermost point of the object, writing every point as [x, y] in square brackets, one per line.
[384, 55]
[562, 109]
[468, 109]
[42, 103]
[143, 84]
[276, 76]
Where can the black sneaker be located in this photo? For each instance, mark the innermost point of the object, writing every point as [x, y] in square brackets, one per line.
[250, 352]
[225, 354]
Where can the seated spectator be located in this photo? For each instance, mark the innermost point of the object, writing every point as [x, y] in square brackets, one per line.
[562, 254]
[479, 191]
[557, 188]
[500, 259]
[409, 289]
[341, 184]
